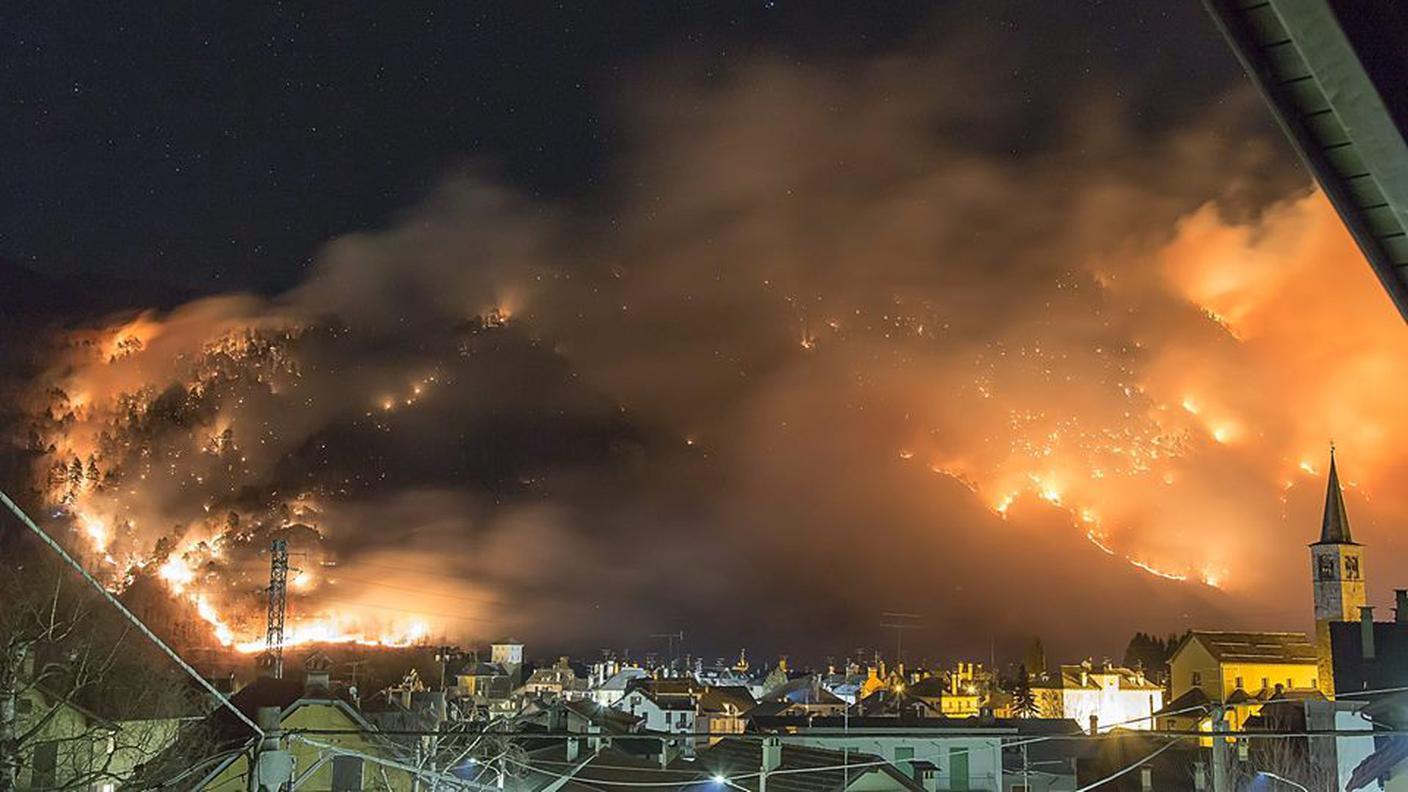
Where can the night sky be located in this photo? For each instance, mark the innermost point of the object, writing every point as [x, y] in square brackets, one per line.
[587, 322]
[219, 147]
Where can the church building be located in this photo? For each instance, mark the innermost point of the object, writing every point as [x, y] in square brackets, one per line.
[1355, 653]
[1338, 575]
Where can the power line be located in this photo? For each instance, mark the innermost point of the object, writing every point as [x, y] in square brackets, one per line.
[220, 697]
[1111, 777]
[1015, 740]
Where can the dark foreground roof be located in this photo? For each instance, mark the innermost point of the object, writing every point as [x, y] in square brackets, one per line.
[739, 760]
[1332, 73]
[1387, 669]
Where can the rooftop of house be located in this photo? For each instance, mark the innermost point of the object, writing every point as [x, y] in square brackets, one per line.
[890, 702]
[622, 679]
[1190, 704]
[1389, 754]
[1278, 648]
[716, 699]
[766, 722]
[1086, 676]
[664, 702]
[803, 690]
[612, 766]
[1388, 668]
[739, 759]
[929, 687]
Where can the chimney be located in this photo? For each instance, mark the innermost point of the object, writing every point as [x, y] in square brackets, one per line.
[268, 718]
[1366, 630]
[666, 752]
[268, 665]
[1094, 724]
[772, 754]
[317, 675]
[1400, 608]
[574, 748]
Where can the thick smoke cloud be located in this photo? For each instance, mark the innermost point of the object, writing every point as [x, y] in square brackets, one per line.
[820, 352]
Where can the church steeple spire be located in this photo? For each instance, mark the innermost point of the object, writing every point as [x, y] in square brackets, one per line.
[1334, 527]
[1337, 573]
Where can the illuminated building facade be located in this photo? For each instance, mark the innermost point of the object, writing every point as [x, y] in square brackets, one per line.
[1111, 695]
[1241, 670]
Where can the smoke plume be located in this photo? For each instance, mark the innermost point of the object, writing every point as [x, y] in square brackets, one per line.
[819, 351]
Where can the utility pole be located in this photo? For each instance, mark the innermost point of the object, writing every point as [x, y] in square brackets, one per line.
[899, 622]
[771, 760]
[1221, 762]
[278, 605]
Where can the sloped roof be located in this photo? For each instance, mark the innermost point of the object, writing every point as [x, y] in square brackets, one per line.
[1332, 73]
[1392, 753]
[622, 679]
[1387, 669]
[1070, 677]
[887, 702]
[715, 698]
[1284, 648]
[804, 690]
[605, 769]
[612, 721]
[1194, 698]
[732, 756]
[929, 687]
[667, 702]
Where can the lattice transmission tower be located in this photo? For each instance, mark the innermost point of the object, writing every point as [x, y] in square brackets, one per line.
[278, 605]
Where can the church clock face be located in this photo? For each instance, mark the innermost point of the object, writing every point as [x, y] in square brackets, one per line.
[1351, 567]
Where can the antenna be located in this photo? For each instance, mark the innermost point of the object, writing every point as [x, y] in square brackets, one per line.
[670, 640]
[899, 622]
[278, 604]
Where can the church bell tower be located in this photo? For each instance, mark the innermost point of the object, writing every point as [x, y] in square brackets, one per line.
[1337, 570]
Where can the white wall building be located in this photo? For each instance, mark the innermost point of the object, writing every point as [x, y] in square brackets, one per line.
[671, 714]
[1115, 696]
[607, 691]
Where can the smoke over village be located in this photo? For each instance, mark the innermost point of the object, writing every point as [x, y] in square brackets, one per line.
[811, 328]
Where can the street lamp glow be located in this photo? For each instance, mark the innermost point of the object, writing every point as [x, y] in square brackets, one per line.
[1284, 780]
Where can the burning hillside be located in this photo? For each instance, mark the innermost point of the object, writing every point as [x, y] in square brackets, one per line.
[502, 415]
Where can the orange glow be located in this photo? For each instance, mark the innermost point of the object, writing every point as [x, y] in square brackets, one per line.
[336, 629]
[177, 573]
[130, 338]
[97, 533]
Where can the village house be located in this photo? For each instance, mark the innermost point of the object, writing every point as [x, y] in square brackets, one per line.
[1240, 670]
[307, 704]
[1104, 696]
